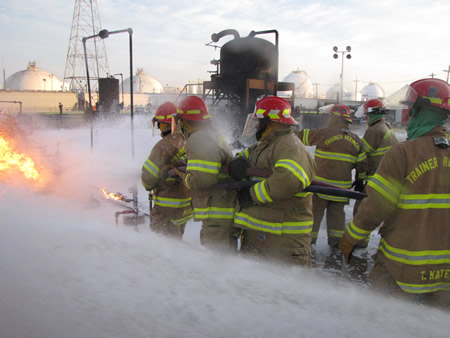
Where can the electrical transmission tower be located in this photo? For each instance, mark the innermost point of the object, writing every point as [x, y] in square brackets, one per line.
[85, 22]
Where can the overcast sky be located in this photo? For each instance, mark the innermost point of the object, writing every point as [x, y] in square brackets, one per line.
[393, 41]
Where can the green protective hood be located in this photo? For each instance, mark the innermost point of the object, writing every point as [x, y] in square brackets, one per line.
[374, 117]
[423, 121]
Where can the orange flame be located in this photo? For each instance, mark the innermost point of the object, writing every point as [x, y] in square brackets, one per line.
[110, 195]
[11, 160]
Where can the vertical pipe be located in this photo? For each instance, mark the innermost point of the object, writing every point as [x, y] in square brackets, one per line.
[89, 93]
[130, 31]
[342, 80]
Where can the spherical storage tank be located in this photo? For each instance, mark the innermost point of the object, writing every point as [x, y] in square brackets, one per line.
[333, 92]
[34, 78]
[303, 85]
[371, 91]
[143, 83]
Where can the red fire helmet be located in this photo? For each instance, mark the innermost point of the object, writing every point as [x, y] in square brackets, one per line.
[165, 112]
[429, 92]
[373, 106]
[193, 108]
[276, 108]
[342, 111]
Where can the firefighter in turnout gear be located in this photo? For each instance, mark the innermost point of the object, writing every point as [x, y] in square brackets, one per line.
[207, 151]
[172, 201]
[410, 194]
[338, 152]
[377, 140]
[275, 213]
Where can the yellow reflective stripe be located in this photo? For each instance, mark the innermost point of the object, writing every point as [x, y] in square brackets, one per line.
[296, 169]
[357, 233]
[243, 153]
[335, 233]
[380, 151]
[336, 156]
[302, 194]
[260, 113]
[342, 184]
[434, 99]
[151, 168]
[146, 186]
[424, 201]
[213, 212]
[193, 112]
[305, 138]
[186, 178]
[181, 221]
[333, 198]
[172, 202]
[424, 288]
[384, 187]
[300, 227]
[204, 166]
[274, 116]
[424, 257]
[362, 176]
[261, 192]
[361, 156]
[367, 147]
[164, 117]
[286, 113]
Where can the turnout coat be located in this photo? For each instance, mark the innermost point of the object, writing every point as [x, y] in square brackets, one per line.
[410, 192]
[281, 206]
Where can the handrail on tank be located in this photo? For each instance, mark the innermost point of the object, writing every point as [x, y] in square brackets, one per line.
[217, 36]
[253, 33]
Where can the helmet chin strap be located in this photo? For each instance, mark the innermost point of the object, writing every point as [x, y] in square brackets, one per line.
[262, 127]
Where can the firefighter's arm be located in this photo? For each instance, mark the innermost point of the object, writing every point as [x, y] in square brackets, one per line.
[155, 167]
[383, 192]
[203, 163]
[293, 171]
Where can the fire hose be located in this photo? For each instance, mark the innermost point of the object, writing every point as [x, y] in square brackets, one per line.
[315, 186]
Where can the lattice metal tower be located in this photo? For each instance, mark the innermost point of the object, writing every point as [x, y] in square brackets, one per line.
[85, 22]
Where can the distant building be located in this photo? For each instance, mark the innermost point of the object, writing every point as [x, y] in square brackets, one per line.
[143, 84]
[303, 85]
[34, 78]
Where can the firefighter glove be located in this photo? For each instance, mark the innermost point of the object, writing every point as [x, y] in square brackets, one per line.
[347, 248]
[180, 173]
[245, 198]
[358, 184]
[237, 168]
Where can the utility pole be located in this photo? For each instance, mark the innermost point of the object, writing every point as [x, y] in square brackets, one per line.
[432, 75]
[356, 88]
[447, 71]
[317, 93]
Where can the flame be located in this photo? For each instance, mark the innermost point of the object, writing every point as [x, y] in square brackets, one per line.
[109, 195]
[11, 160]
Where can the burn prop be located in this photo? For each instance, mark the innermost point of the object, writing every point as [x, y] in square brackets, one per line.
[134, 216]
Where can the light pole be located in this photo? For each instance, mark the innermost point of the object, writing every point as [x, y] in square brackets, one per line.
[347, 51]
[104, 34]
[121, 76]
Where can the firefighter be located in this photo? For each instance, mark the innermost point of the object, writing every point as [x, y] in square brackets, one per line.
[274, 212]
[410, 193]
[377, 140]
[207, 151]
[338, 152]
[171, 198]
